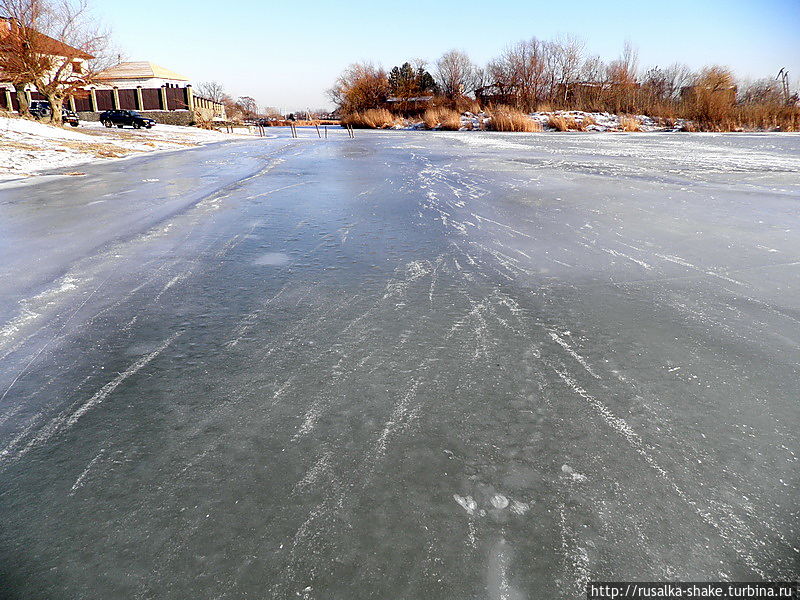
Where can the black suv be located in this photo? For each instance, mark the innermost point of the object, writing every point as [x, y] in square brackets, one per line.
[41, 109]
[120, 118]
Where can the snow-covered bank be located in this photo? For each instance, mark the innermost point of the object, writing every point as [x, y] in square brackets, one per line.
[29, 147]
[577, 120]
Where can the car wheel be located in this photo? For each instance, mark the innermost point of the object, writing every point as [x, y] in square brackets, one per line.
[148, 126]
[107, 123]
[74, 124]
[137, 125]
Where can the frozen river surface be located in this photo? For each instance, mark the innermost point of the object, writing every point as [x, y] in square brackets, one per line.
[412, 365]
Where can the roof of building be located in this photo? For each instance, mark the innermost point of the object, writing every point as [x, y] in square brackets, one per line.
[412, 99]
[48, 44]
[139, 70]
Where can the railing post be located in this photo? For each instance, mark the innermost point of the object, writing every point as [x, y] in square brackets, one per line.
[139, 98]
[189, 97]
[72, 103]
[164, 103]
[9, 103]
[28, 96]
[115, 93]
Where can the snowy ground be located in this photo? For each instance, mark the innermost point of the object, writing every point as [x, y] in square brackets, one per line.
[594, 121]
[29, 147]
[409, 365]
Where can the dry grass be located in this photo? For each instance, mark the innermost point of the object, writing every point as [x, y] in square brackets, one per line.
[373, 118]
[543, 107]
[564, 123]
[17, 145]
[101, 150]
[443, 118]
[630, 124]
[511, 119]
[465, 104]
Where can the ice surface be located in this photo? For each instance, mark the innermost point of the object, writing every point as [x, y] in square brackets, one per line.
[495, 366]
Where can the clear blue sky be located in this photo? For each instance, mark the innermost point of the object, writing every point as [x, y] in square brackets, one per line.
[286, 54]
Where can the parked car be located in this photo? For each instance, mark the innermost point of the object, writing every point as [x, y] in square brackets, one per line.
[120, 118]
[41, 109]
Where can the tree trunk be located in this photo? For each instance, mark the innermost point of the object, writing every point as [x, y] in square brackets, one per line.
[56, 100]
[22, 98]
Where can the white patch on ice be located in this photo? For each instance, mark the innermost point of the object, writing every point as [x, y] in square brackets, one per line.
[79, 482]
[519, 508]
[272, 259]
[499, 501]
[582, 361]
[467, 503]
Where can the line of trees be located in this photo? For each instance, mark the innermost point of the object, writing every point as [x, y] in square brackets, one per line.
[541, 74]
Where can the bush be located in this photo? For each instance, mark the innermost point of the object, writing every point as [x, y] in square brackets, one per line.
[373, 118]
[567, 123]
[441, 117]
[511, 119]
[630, 124]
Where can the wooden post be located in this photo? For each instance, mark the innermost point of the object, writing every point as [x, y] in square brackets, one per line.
[319, 135]
[93, 98]
[164, 103]
[9, 102]
[326, 132]
[115, 93]
[28, 96]
[72, 103]
[139, 98]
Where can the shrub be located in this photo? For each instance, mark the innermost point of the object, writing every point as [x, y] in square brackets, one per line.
[630, 124]
[441, 117]
[565, 123]
[372, 118]
[464, 104]
[511, 119]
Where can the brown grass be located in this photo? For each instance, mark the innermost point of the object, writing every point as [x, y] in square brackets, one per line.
[564, 123]
[373, 118]
[630, 124]
[543, 107]
[510, 119]
[465, 104]
[441, 117]
[101, 150]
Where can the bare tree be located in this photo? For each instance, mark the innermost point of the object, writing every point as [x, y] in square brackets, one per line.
[360, 86]
[248, 107]
[455, 74]
[519, 72]
[211, 90]
[678, 76]
[762, 91]
[622, 79]
[232, 108]
[19, 61]
[567, 56]
[60, 46]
